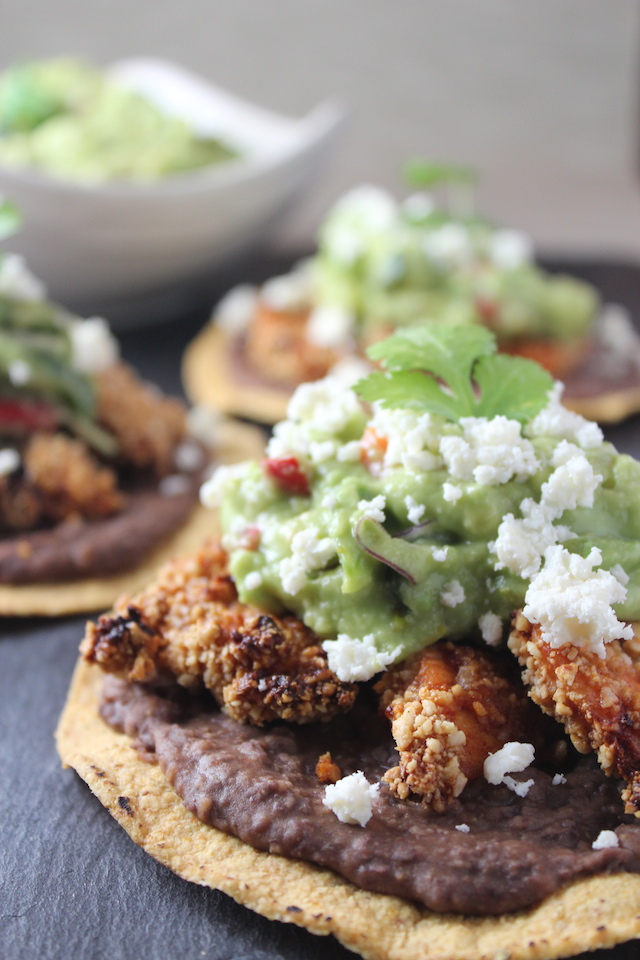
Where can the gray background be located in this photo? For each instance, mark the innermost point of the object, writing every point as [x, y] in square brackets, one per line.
[541, 95]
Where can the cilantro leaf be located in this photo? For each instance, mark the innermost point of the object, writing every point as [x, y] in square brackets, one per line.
[453, 371]
[423, 173]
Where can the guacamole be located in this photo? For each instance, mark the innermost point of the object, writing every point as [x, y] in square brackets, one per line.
[393, 264]
[391, 528]
[70, 120]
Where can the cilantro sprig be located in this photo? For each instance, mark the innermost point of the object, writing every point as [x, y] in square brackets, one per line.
[455, 372]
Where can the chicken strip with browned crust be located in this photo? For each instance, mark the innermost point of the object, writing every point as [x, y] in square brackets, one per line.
[596, 699]
[450, 706]
[147, 425]
[191, 627]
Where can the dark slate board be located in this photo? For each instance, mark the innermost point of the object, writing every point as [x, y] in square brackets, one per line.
[72, 884]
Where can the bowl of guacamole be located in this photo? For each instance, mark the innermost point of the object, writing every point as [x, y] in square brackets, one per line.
[138, 180]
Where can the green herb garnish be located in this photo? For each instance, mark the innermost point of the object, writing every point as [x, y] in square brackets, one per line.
[426, 174]
[10, 218]
[454, 372]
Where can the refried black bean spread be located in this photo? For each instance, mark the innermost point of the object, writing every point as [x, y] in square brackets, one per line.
[260, 785]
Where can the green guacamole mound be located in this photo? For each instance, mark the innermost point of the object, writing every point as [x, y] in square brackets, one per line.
[396, 264]
[349, 563]
[70, 120]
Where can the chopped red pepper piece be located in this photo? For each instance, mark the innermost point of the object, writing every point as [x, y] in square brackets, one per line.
[288, 474]
[24, 416]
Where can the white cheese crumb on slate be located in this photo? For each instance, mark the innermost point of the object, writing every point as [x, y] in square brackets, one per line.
[451, 492]
[463, 827]
[490, 626]
[572, 602]
[93, 348]
[512, 758]
[351, 798]
[605, 839]
[253, 580]
[174, 485]
[9, 461]
[558, 779]
[373, 509]
[453, 594]
[354, 660]
[415, 511]
[235, 311]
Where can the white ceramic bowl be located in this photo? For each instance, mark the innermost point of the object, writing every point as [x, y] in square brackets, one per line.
[135, 252]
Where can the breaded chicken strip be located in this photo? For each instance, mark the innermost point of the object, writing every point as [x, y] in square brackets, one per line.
[190, 626]
[450, 706]
[60, 479]
[147, 425]
[597, 700]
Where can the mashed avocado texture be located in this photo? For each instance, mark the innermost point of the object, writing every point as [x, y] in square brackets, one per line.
[392, 264]
[390, 526]
[70, 120]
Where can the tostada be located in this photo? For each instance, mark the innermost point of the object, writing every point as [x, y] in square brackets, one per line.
[98, 470]
[400, 700]
[383, 265]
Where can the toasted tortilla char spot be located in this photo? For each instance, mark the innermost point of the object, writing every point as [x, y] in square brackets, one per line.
[238, 442]
[378, 927]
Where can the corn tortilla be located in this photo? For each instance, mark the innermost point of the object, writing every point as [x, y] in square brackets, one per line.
[238, 442]
[593, 913]
[208, 379]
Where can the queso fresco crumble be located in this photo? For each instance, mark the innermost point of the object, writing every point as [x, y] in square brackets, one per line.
[350, 523]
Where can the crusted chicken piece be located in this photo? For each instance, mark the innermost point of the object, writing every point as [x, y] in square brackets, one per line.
[597, 700]
[450, 706]
[326, 770]
[61, 479]
[147, 425]
[190, 626]
[277, 345]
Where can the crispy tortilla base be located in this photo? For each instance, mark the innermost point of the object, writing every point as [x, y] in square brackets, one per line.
[599, 912]
[208, 378]
[238, 441]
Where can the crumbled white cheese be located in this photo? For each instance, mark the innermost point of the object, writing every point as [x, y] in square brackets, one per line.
[463, 827]
[9, 461]
[237, 308]
[451, 492]
[373, 509]
[93, 347]
[572, 602]
[349, 452]
[556, 421]
[350, 369]
[203, 424]
[618, 340]
[572, 484]
[510, 249]
[326, 404]
[174, 485]
[605, 840]
[513, 757]
[490, 451]
[412, 439]
[308, 553]
[521, 543]
[188, 456]
[19, 372]
[292, 291]
[351, 798]
[355, 660]
[415, 511]
[213, 491]
[439, 554]
[330, 326]
[253, 580]
[453, 594]
[17, 281]
[417, 206]
[449, 245]
[490, 626]
[558, 778]
[620, 574]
